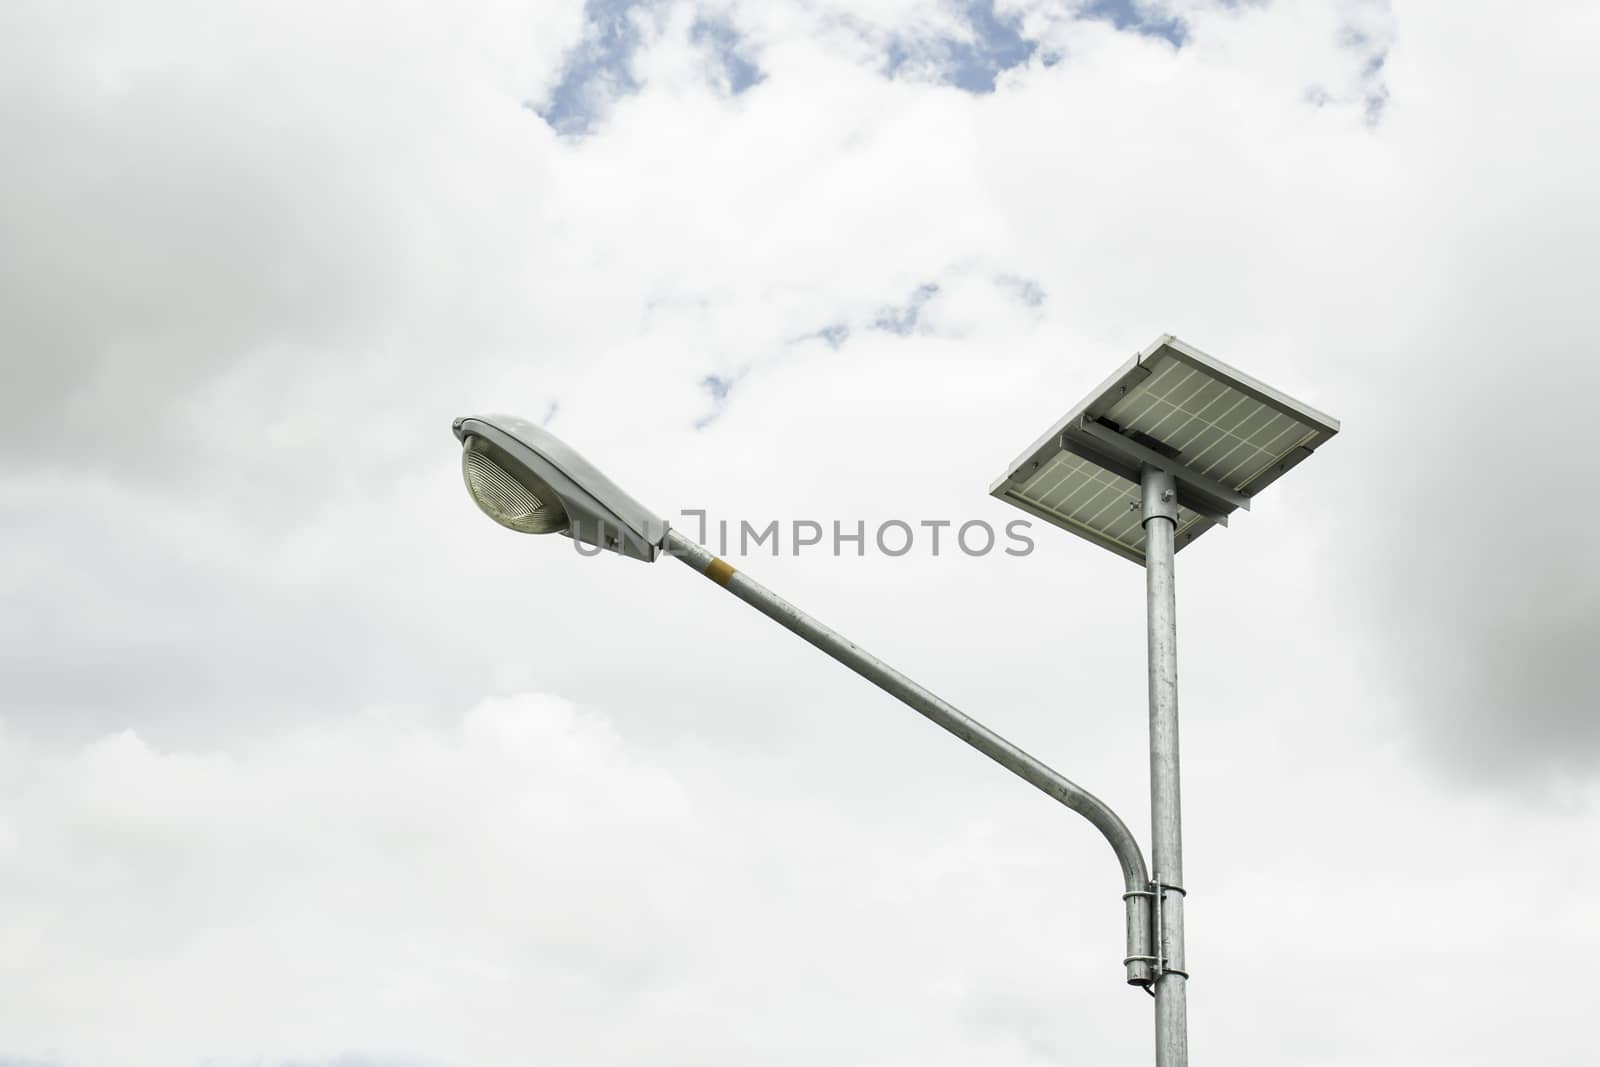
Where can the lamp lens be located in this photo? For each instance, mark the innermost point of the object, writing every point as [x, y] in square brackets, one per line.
[524, 504]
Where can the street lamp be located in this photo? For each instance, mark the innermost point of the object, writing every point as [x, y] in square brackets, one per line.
[1164, 450]
[1168, 447]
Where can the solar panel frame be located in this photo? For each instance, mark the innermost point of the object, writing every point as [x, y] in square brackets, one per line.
[1170, 391]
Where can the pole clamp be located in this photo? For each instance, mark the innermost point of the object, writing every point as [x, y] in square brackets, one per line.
[1154, 960]
[1157, 893]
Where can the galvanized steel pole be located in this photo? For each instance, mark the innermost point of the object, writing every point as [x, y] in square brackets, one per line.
[1137, 898]
[1160, 516]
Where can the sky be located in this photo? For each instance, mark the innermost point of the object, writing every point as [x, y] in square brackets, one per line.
[305, 762]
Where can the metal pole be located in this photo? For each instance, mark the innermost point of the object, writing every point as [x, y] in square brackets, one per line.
[1160, 516]
[1136, 899]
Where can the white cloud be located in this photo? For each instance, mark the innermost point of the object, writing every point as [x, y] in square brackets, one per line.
[519, 881]
[522, 880]
[368, 886]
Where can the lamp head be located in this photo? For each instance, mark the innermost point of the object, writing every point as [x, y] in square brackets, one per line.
[524, 478]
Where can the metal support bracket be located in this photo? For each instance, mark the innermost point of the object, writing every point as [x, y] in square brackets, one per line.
[1160, 962]
[1158, 893]
[1135, 452]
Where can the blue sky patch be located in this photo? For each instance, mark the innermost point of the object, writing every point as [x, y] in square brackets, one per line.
[902, 320]
[1377, 94]
[597, 70]
[996, 46]
[834, 335]
[722, 40]
[1135, 17]
[720, 386]
[1026, 290]
[1374, 91]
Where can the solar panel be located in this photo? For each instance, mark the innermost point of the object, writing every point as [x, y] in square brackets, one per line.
[1223, 435]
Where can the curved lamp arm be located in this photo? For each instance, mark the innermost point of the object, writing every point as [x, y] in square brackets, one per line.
[1135, 876]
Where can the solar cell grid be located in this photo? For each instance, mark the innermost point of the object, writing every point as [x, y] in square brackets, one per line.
[1077, 491]
[1216, 429]
[1223, 435]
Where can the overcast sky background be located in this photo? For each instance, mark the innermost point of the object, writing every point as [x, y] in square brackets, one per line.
[304, 761]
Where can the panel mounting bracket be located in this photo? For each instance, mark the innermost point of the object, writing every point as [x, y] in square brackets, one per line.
[1131, 450]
